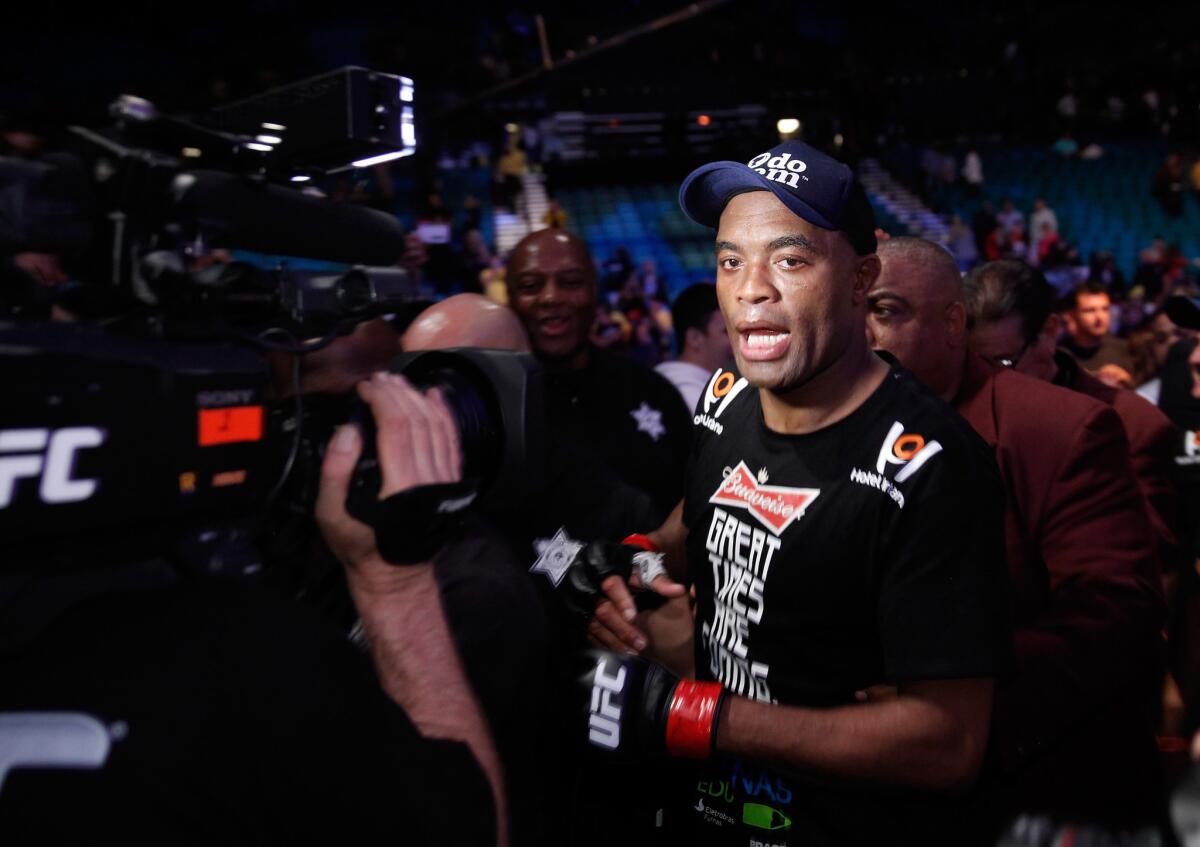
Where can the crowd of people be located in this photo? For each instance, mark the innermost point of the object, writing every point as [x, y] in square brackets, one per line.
[843, 548]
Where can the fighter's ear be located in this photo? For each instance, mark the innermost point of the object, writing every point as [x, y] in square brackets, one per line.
[869, 268]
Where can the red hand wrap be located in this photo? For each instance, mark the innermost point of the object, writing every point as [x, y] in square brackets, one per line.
[643, 541]
[691, 720]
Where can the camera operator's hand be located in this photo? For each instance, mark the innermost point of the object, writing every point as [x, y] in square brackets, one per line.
[417, 443]
[400, 607]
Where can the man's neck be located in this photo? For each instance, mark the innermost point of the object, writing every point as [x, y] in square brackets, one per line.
[1086, 342]
[567, 364]
[828, 397]
[955, 381]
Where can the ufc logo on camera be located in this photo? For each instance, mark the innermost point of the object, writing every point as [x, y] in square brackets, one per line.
[51, 455]
[604, 722]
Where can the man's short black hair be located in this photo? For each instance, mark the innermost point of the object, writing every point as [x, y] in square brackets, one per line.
[997, 290]
[693, 309]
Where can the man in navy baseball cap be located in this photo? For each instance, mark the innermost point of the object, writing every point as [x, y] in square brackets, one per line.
[882, 513]
[813, 186]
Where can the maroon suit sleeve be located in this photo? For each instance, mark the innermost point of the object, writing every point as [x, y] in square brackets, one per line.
[1152, 445]
[1098, 635]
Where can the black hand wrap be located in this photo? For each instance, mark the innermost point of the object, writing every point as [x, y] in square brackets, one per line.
[597, 561]
[412, 525]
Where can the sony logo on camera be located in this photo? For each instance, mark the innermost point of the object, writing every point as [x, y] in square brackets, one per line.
[218, 399]
[50, 455]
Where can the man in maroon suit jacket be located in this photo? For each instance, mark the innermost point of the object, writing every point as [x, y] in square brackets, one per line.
[1010, 309]
[1071, 732]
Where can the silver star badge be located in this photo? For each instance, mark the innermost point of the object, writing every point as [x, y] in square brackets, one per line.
[555, 555]
[649, 421]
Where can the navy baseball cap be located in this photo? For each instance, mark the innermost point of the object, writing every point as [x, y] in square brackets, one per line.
[815, 187]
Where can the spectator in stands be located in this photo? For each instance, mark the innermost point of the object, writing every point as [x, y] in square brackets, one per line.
[556, 216]
[628, 416]
[491, 281]
[1018, 246]
[1155, 253]
[1169, 184]
[1043, 221]
[1088, 338]
[961, 243]
[982, 225]
[1163, 335]
[1071, 732]
[617, 269]
[474, 254]
[701, 341]
[1104, 270]
[972, 173]
[1060, 262]
[641, 331]
[996, 244]
[653, 285]
[510, 170]
[1009, 216]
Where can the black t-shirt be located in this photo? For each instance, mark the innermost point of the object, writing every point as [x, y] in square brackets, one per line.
[629, 418]
[220, 715]
[868, 552]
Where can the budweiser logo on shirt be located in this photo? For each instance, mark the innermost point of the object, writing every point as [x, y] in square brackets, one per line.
[774, 506]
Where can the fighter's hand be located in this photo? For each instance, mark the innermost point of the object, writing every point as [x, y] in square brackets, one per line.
[611, 625]
[417, 443]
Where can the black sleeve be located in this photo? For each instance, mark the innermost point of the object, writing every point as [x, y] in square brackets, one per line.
[678, 424]
[943, 596]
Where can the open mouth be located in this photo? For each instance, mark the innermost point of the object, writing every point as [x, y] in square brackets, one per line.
[763, 345]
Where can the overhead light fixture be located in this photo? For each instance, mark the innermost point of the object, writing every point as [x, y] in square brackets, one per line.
[787, 126]
[301, 178]
[704, 120]
[262, 148]
[269, 139]
[274, 127]
[385, 157]
[191, 152]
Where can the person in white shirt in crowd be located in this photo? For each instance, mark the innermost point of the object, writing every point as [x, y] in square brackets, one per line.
[701, 341]
[1043, 221]
[972, 173]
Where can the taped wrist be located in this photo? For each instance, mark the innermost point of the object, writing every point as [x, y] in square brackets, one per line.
[637, 539]
[692, 716]
[412, 525]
